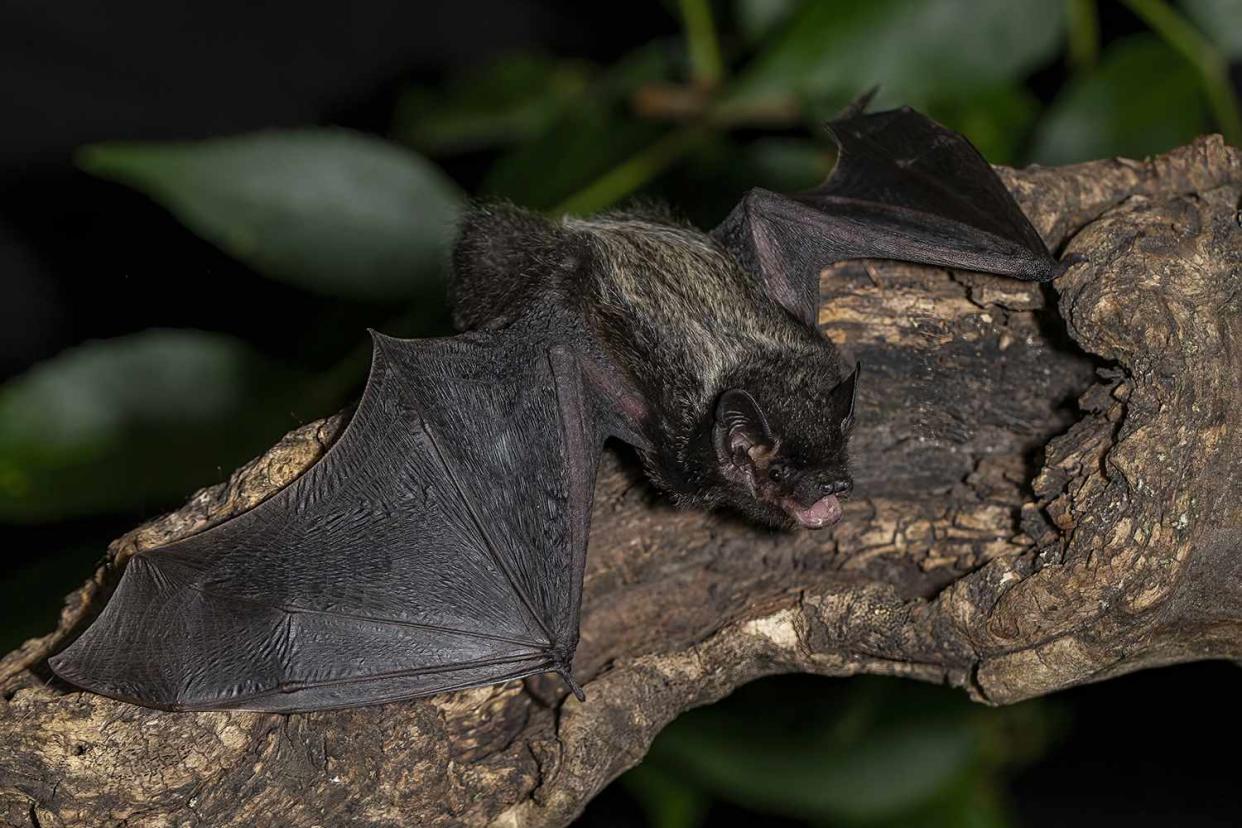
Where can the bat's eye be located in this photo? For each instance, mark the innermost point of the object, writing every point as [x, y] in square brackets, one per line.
[777, 473]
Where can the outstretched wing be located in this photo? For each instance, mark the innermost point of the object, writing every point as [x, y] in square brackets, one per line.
[904, 188]
[439, 544]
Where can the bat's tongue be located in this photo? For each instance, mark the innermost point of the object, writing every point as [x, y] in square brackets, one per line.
[823, 512]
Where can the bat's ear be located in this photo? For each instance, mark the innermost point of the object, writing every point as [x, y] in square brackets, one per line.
[740, 424]
[846, 393]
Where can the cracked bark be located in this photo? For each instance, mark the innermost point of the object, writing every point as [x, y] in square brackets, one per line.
[1006, 539]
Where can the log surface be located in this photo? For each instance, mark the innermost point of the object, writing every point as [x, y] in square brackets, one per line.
[1048, 493]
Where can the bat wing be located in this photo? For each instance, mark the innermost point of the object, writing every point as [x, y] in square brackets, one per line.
[439, 544]
[904, 188]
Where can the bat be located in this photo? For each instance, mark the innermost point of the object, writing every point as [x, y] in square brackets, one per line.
[440, 542]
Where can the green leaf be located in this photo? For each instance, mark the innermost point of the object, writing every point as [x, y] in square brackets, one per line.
[1221, 21]
[789, 165]
[502, 103]
[870, 752]
[326, 209]
[577, 150]
[140, 421]
[723, 167]
[892, 771]
[914, 50]
[668, 801]
[972, 802]
[586, 142]
[1142, 99]
[756, 19]
[997, 121]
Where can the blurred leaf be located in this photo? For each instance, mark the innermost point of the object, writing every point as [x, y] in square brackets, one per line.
[1142, 99]
[723, 167]
[326, 209]
[646, 64]
[875, 753]
[1083, 26]
[1221, 21]
[639, 170]
[587, 141]
[756, 19]
[997, 121]
[140, 420]
[706, 68]
[667, 800]
[915, 50]
[890, 772]
[973, 802]
[501, 103]
[789, 165]
[578, 149]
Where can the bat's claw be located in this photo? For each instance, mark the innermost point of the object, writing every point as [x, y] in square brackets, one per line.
[573, 685]
[1067, 261]
[858, 106]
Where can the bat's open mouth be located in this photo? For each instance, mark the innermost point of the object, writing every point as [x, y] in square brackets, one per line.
[823, 512]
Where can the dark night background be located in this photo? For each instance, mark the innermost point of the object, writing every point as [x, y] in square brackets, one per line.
[84, 259]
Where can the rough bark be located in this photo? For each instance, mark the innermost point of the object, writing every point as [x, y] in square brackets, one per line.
[1005, 539]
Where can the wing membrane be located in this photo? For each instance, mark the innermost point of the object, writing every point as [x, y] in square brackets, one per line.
[438, 544]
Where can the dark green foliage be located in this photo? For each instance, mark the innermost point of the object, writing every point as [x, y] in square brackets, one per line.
[1141, 99]
[502, 103]
[334, 211]
[140, 419]
[918, 53]
[867, 752]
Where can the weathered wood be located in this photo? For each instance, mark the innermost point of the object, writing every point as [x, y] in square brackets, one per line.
[951, 566]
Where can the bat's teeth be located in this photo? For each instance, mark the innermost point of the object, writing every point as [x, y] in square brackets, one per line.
[823, 512]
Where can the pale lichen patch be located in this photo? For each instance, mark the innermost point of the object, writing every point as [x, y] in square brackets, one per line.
[780, 628]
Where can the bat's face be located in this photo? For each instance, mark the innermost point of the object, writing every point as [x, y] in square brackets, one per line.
[782, 466]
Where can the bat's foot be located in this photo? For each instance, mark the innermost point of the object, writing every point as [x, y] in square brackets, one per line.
[573, 685]
[1067, 261]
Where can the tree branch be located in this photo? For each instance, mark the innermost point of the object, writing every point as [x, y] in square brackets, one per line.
[950, 565]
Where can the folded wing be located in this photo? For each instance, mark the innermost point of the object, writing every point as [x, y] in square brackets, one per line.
[904, 188]
[439, 544]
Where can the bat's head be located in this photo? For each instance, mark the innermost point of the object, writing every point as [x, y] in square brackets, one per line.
[785, 461]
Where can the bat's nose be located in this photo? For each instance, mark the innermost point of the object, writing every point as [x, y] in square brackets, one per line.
[842, 486]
